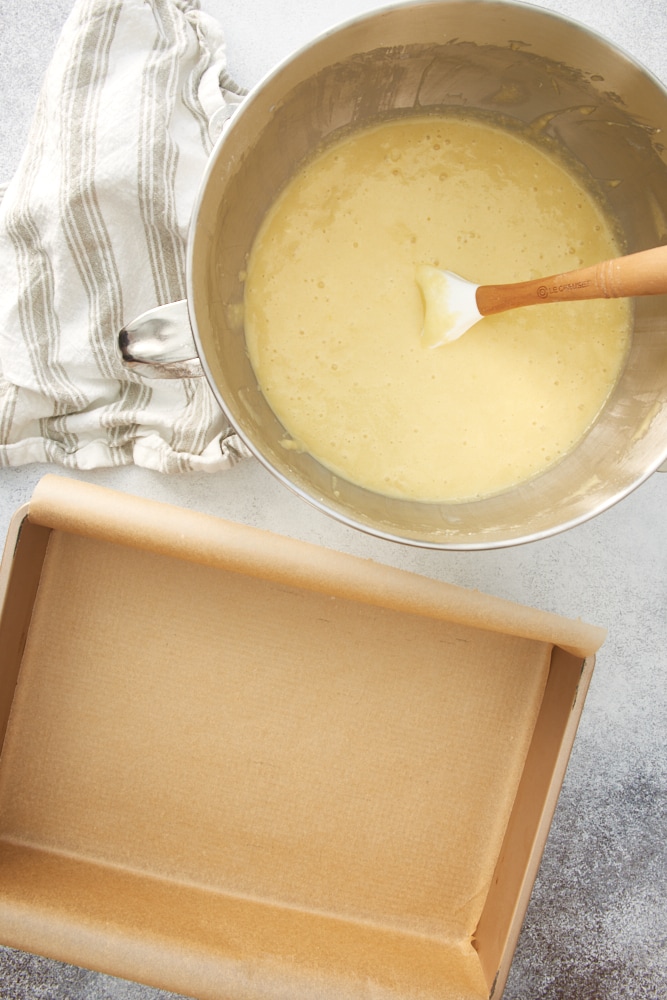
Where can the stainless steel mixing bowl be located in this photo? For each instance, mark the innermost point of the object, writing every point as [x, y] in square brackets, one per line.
[511, 59]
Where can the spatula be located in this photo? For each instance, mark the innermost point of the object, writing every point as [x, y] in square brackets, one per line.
[453, 305]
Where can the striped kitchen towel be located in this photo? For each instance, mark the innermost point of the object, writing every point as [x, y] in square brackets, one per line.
[93, 231]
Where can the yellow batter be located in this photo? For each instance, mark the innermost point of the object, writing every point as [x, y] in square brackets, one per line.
[333, 313]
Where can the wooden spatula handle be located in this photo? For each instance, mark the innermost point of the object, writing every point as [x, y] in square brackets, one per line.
[643, 273]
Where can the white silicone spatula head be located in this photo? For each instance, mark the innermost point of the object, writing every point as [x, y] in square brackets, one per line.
[450, 305]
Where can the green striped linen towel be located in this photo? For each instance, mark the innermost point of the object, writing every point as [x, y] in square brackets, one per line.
[93, 230]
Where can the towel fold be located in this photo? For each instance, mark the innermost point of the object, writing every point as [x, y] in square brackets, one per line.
[93, 231]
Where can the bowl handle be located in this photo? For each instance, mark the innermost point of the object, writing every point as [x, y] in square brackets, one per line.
[159, 343]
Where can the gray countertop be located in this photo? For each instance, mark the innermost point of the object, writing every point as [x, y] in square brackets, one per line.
[596, 928]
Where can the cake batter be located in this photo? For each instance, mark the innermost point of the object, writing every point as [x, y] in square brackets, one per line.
[333, 313]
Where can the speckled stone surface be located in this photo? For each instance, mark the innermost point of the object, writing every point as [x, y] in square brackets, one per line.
[596, 927]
